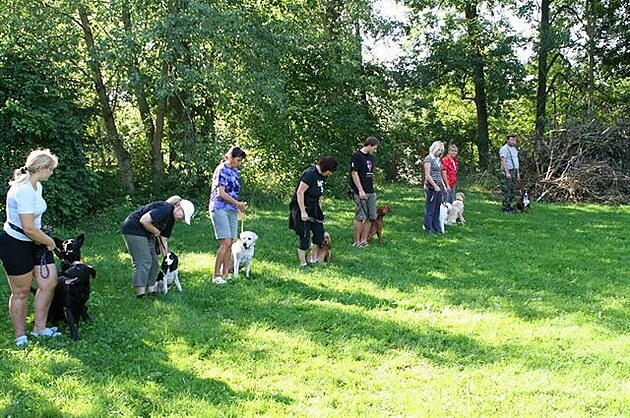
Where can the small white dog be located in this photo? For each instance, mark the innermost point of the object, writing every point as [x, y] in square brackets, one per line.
[444, 208]
[243, 252]
[457, 210]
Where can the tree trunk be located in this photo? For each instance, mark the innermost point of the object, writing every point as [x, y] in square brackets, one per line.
[541, 93]
[479, 79]
[590, 51]
[158, 134]
[153, 140]
[123, 157]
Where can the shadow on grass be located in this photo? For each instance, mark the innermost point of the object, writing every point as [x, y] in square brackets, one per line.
[552, 262]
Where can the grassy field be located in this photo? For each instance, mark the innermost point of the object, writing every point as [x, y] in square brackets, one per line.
[510, 315]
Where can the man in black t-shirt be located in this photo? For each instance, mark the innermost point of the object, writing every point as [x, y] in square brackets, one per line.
[362, 185]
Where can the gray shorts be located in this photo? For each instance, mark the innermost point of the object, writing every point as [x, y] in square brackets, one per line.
[365, 209]
[225, 223]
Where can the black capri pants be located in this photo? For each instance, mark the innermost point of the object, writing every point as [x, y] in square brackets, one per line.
[316, 228]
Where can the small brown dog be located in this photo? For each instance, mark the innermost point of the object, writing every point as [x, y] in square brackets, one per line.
[325, 250]
[377, 225]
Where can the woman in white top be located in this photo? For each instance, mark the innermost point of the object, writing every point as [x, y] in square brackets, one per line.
[25, 250]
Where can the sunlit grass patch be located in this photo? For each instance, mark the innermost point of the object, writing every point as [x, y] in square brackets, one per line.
[509, 315]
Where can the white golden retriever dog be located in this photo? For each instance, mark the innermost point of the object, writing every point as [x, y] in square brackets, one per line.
[243, 251]
[444, 208]
[457, 210]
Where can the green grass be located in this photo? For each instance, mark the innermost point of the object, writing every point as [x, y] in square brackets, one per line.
[510, 315]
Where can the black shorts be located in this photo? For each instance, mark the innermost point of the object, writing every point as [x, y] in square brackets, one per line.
[19, 257]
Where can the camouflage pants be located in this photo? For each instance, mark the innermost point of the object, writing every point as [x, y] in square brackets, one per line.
[509, 189]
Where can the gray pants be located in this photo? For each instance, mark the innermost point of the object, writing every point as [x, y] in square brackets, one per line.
[144, 259]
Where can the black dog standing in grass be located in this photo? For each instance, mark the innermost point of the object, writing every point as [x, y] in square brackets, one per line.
[72, 292]
[71, 296]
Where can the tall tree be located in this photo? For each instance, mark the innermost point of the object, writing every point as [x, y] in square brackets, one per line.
[123, 156]
[137, 81]
[454, 46]
[479, 81]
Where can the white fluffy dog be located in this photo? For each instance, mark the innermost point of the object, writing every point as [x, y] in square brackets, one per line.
[243, 251]
[457, 210]
[444, 208]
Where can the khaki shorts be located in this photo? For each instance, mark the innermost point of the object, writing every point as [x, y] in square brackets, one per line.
[365, 209]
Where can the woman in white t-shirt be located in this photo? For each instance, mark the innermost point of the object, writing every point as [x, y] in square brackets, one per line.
[25, 250]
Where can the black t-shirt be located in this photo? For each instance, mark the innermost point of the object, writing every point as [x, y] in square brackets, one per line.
[364, 166]
[161, 214]
[315, 190]
[315, 182]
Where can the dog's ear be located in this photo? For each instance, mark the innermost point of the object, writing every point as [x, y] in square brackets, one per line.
[255, 236]
[91, 270]
[80, 239]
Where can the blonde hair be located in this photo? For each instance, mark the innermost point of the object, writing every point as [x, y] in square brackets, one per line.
[37, 160]
[173, 200]
[436, 148]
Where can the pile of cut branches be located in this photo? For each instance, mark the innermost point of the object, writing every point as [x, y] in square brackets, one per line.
[585, 163]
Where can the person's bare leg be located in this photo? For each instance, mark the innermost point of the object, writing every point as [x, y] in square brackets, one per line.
[315, 253]
[44, 295]
[358, 228]
[227, 257]
[18, 301]
[302, 256]
[365, 231]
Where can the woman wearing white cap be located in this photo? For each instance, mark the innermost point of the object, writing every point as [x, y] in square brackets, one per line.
[146, 232]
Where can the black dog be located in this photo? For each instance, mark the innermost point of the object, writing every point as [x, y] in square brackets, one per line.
[71, 295]
[70, 251]
[168, 274]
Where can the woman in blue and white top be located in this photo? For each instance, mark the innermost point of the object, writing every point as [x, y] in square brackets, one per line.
[25, 250]
[435, 187]
[224, 207]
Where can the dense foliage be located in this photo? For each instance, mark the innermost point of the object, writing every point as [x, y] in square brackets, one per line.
[37, 112]
[140, 99]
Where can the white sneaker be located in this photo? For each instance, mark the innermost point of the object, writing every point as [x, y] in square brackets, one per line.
[219, 280]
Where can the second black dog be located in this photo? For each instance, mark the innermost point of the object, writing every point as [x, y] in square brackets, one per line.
[72, 293]
[70, 250]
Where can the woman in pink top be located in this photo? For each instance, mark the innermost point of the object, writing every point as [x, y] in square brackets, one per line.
[450, 167]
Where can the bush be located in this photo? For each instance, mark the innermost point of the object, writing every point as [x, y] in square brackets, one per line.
[35, 112]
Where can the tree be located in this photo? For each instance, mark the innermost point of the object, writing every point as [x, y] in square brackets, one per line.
[455, 45]
[124, 158]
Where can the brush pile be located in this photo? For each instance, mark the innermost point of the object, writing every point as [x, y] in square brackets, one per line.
[584, 163]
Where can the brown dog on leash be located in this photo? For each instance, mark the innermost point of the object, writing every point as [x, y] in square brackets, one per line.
[325, 250]
[377, 225]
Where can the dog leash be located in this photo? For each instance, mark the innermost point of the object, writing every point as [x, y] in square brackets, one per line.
[364, 206]
[241, 216]
[44, 270]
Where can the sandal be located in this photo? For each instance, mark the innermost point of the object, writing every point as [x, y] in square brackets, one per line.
[21, 341]
[219, 280]
[47, 332]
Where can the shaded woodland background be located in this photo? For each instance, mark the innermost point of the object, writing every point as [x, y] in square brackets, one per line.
[140, 100]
